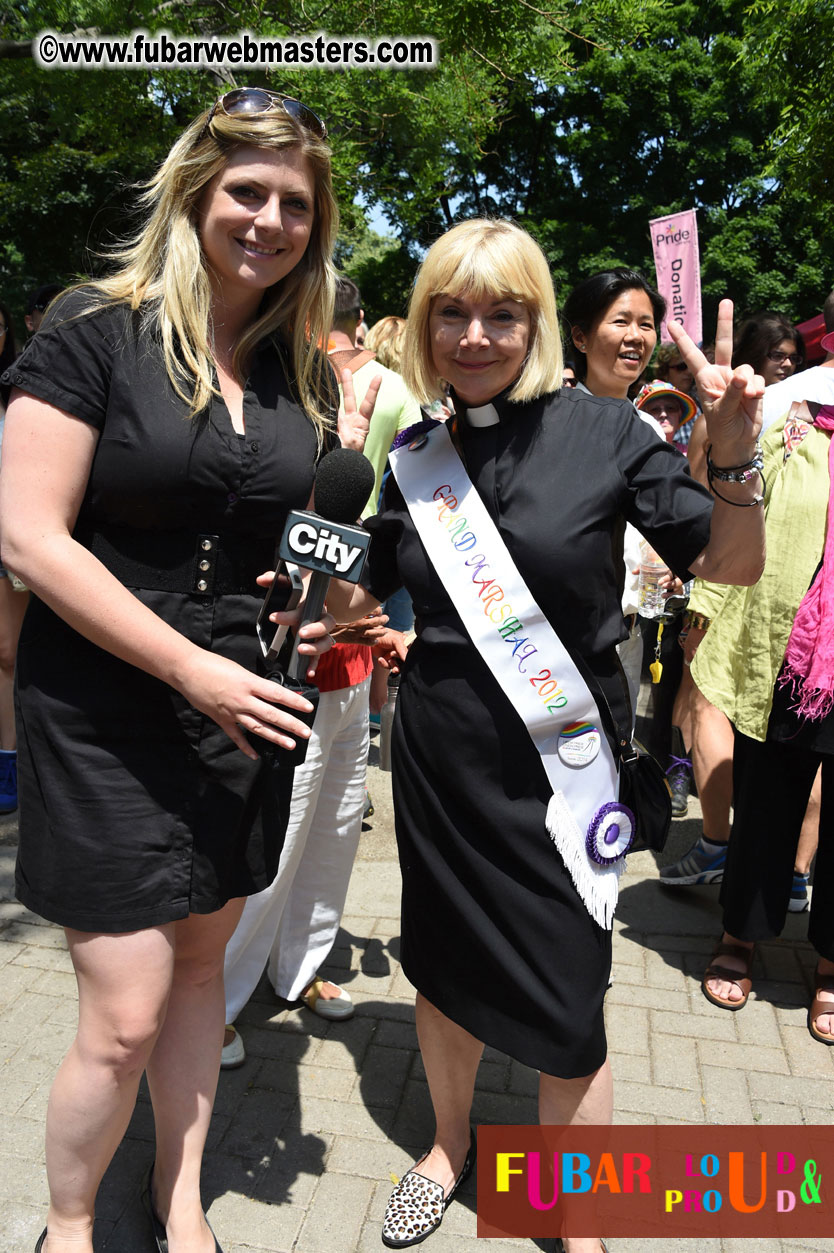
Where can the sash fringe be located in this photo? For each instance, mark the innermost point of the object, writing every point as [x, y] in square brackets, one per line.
[598, 886]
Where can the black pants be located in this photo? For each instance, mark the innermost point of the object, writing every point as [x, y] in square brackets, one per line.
[771, 786]
[659, 733]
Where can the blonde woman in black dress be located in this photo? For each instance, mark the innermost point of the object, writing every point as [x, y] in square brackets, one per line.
[178, 410]
[496, 937]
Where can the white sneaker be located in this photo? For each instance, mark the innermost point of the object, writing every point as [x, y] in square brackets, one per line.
[234, 1054]
[333, 1007]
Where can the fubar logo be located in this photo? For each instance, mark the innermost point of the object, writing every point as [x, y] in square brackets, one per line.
[656, 1182]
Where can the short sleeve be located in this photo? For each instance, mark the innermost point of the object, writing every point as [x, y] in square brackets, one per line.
[68, 362]
[666, 505]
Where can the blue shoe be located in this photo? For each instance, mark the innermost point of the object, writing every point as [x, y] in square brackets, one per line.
[798, 902]
[8, 781]
[700, 865]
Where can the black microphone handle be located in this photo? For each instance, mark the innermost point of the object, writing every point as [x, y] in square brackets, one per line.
[312, 611]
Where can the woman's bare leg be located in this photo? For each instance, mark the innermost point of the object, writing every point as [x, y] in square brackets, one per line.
[712, 765]
[809, 835]
[451, 1056]
[577, 1102]
[182, 1074]
[682, 708]
[123, 986]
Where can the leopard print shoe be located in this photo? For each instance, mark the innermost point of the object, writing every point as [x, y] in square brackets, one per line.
[416, 1206]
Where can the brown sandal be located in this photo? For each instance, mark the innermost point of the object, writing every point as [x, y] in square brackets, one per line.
[741, 977]
[822, 983]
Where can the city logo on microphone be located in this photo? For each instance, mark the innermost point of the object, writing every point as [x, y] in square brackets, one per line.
[331, 548]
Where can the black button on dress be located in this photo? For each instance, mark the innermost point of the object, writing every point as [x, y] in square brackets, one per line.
[494, 933]
[135, 809]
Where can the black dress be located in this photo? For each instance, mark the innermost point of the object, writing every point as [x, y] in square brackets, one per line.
[136, 809]
[494, 933]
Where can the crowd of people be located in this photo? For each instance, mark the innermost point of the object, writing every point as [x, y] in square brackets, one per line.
[180, 408]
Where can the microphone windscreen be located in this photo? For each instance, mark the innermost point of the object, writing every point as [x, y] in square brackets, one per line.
[344, 481]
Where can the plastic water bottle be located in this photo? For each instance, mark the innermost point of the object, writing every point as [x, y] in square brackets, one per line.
[651, 599]
[386, 722]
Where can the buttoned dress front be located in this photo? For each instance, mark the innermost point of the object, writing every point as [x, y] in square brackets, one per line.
[137, 809]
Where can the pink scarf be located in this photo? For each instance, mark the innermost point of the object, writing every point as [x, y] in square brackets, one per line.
[809, 658]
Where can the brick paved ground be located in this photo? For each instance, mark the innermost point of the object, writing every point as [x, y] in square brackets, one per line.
[305, 1137]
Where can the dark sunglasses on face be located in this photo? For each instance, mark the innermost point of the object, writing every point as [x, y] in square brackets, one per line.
[257, 100]
[679, 365]
[778, 357]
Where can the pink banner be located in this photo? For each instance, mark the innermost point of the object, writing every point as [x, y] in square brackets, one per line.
[676, 260]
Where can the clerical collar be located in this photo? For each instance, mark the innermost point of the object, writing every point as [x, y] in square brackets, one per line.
[482, 415]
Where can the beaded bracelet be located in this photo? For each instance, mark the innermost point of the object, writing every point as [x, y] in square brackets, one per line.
[736, 474]
[739, 504]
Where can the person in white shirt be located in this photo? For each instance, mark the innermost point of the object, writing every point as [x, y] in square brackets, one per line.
[815, 383]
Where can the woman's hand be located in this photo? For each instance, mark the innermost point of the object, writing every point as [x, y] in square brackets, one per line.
[391, 649]
[355, 421]
[367, 630]
[240, 701]
[732, 405]
[670, 584]
[314, 638]
[731, 398]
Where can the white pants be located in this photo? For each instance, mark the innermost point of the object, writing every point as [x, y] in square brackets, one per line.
[290, 926]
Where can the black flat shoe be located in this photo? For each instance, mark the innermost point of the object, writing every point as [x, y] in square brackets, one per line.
[416, 1207]
[39, 1245]
[160, 1235]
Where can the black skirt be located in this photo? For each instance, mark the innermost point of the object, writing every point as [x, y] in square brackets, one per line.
[136, 809]
[494, 934]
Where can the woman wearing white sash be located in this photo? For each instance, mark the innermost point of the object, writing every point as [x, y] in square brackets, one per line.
[497, 928]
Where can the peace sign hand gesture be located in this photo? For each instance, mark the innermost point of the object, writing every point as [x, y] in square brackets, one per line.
[354, 423]
[731, 398]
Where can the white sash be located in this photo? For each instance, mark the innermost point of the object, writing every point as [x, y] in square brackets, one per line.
[528, 660]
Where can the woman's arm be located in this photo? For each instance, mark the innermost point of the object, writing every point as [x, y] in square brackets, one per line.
[732, 403]
[348, 602]
[47, 457]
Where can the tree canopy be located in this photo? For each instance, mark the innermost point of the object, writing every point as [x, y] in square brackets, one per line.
[580, 118]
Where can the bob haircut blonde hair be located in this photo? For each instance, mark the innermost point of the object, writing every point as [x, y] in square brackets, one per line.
[385, 339]
[163, 271]
[477, 259]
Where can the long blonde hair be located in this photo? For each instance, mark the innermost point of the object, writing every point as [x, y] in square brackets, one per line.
[485, 257]
[163, 271]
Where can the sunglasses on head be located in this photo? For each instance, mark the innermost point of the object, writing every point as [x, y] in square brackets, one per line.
[255, 101]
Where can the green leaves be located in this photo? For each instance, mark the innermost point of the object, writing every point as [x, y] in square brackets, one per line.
[580, 118]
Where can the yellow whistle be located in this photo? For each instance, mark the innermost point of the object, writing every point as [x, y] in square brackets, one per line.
[656, 670]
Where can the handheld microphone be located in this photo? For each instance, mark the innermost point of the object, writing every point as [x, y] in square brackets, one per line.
[327, 541]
